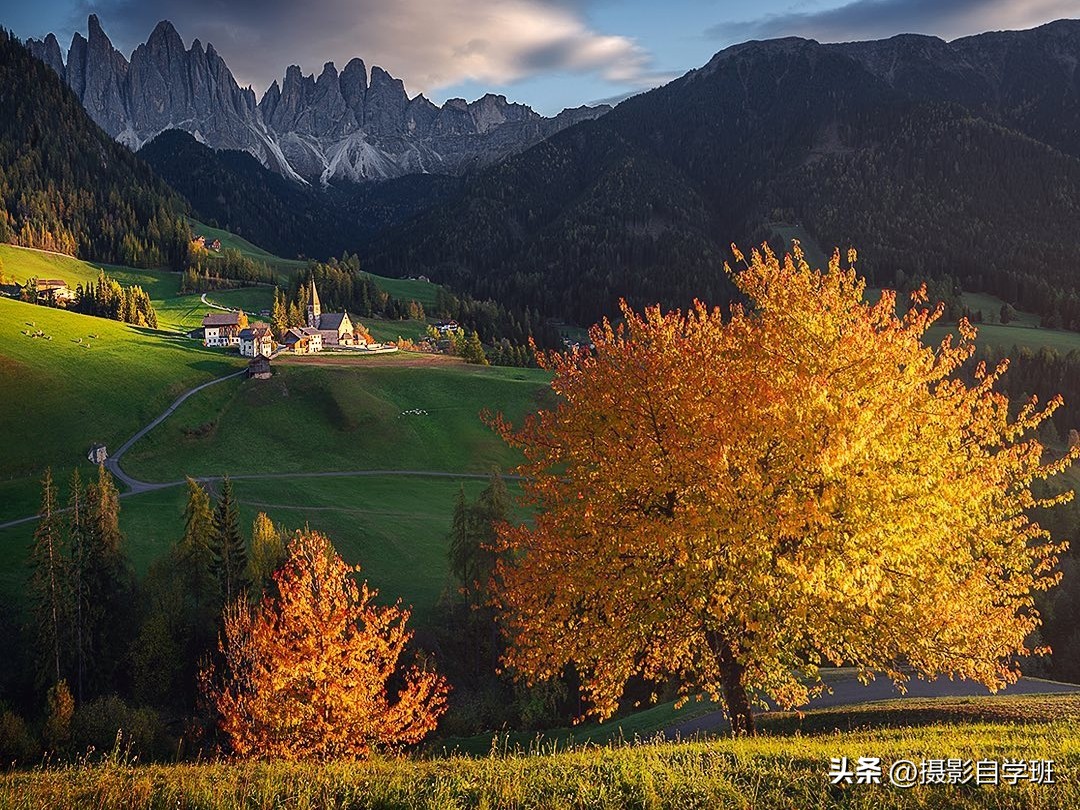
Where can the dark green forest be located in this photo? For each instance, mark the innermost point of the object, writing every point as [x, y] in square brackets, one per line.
[67, 186]
[232, 190]
[644, 202]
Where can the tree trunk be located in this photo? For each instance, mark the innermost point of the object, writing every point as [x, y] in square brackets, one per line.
[732, 679]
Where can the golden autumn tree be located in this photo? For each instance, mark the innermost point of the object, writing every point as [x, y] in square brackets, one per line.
[735, 500]
[305, 674]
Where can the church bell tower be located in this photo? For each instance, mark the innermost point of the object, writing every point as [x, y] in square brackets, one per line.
[314, 308]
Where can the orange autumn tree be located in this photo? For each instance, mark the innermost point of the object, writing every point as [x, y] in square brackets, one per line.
[305, 673]
[738, 500]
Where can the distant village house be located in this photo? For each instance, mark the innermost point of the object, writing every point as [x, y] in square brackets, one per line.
[256, 341]
[55, 287]
[98, 454]
[303, 340]
[259, 368]
[223, 328]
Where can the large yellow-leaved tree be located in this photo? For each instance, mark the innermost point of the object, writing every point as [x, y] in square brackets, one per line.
[736, 499]
[307, 673]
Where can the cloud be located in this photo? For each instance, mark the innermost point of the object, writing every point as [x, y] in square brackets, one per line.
[429, 43]
[876, 19]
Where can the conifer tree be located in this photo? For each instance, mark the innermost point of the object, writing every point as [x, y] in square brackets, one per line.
[195, 551]
[473, 350]
[77, 581]
[47, 583]
[230, 554]
[279, 317]
[107, 580]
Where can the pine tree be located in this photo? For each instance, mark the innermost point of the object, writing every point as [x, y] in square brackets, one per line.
[230, 555]
[195, 551]
[77, 572]
[279, 318]
[107, 580]
[47, 583]
[472, 350]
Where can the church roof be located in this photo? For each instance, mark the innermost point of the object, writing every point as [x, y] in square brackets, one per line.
[315, 295]
[332, 320]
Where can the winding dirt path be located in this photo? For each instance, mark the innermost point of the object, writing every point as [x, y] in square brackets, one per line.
[136, 486]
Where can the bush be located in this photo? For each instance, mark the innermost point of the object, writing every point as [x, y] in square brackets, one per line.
[16, 743]
[107, 721]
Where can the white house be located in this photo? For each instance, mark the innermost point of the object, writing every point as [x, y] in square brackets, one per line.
[256, 341]
[223, 328]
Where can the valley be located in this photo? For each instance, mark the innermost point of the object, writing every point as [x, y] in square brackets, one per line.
[318, 489]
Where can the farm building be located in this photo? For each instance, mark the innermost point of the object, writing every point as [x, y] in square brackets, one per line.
[259, 368]
[55, 287]
[98, 454]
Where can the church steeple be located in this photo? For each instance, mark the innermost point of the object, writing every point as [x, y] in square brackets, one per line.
[314, 307]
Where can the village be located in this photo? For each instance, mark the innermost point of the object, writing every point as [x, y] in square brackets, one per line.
[322, 330]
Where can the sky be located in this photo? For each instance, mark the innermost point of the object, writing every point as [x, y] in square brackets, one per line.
[549, 54]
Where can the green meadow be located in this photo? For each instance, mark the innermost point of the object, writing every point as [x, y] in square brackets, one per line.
[84, 380]
[183, 313]
[785, 767]
[239, 243]
[378, 415]
[406, 289]
[92, 380]
[394, 527]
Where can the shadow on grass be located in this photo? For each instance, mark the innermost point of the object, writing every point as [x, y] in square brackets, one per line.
[913, 712]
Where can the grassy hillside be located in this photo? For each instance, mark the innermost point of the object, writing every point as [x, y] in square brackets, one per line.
[781, 770]
[407, 289]
[24, 263]
[231, 240]
[64, 393]
[394, 527]
[175, 312]
[312, 418]
[92, 380]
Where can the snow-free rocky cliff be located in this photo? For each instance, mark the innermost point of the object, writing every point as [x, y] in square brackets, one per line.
[347, 126]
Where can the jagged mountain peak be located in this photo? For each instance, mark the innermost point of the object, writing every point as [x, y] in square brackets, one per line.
[164, 30]
[348, 125]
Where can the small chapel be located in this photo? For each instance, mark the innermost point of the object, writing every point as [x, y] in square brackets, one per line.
[336, 328]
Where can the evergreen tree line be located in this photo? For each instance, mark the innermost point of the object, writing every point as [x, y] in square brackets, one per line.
[342, 286]
[467, 639]
[107, 299]
[104, 299]
[106, 652]
[66, 186]
[204, 272]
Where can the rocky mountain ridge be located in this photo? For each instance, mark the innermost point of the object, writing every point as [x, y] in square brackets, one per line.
[349, 126]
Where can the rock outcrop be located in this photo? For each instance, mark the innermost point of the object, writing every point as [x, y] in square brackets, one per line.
[349, 126]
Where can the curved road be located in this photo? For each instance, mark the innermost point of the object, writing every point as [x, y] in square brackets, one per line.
[135, 486]
[112, 464]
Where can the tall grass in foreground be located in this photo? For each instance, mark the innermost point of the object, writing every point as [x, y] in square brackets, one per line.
[779, 771]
